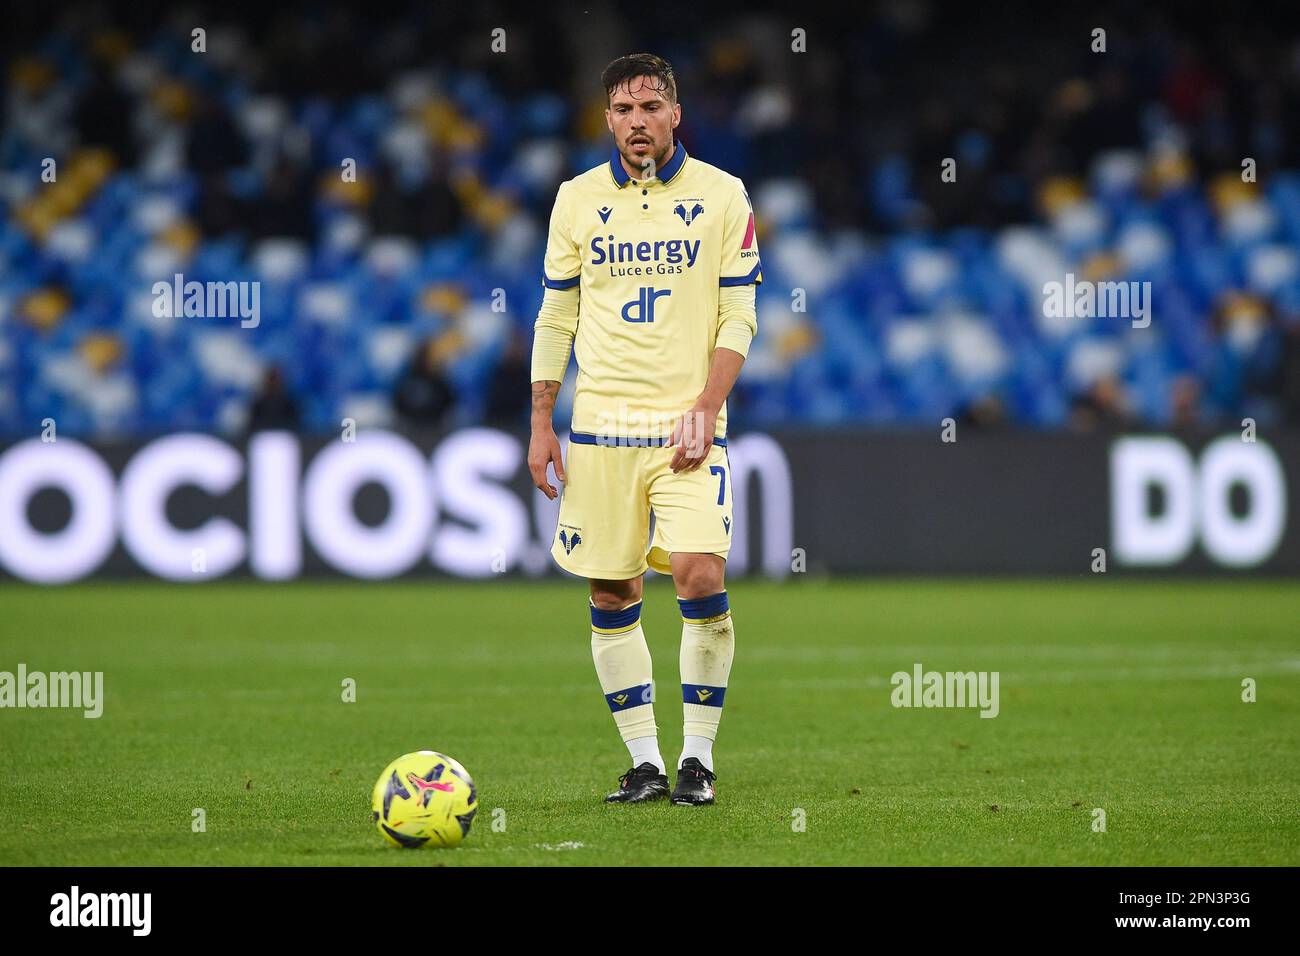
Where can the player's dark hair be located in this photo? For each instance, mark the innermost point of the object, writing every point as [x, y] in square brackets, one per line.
[640, 64]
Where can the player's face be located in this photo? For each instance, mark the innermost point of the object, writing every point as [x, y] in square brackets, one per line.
[642, 121]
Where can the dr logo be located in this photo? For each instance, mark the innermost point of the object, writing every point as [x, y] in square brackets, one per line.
[644, 304]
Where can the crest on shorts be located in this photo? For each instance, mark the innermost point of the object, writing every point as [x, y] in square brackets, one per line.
[570, 541]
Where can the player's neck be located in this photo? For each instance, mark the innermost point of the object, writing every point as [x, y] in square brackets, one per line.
[637, 173]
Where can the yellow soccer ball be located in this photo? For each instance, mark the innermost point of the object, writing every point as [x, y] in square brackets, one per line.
[424, 798]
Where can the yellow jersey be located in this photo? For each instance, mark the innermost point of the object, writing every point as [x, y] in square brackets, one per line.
[650, 262]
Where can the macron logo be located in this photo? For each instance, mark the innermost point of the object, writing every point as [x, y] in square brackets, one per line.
[603, 212]
[102, 909]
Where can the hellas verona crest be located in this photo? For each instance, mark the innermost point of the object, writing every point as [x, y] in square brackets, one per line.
[689, 209]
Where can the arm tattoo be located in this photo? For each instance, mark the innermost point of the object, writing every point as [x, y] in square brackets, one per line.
[544, 394]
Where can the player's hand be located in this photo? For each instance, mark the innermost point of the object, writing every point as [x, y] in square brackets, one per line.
[544, 448]
[693, 436]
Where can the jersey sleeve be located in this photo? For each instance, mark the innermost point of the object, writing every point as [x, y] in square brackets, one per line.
[740, 262]
[562, 267]
[553, 332]
[737, 318]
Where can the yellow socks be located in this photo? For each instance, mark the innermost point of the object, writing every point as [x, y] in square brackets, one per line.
[622, 661]
[708, 646]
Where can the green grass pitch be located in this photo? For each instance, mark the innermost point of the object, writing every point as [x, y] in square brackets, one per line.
[1120, 695]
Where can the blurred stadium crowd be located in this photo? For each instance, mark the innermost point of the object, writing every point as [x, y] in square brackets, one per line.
[407, 296]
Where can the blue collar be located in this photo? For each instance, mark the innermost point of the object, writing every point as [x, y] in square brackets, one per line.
[665, 175]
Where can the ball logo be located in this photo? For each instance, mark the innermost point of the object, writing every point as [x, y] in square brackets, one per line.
[427, 784]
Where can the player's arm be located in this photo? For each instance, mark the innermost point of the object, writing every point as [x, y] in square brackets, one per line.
[737, 326]
[543, 445]
[553, 332]
[694, 432]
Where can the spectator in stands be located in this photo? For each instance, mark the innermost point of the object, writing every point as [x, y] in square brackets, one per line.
[1185, 401]
[214, 147]
[1291, 374]
[1101, 406]
[273, 408]
[508, 395]
[285, 206]
[423, 396]
[104, 115]
[420, 207]
[986, 411]
[1246, 361]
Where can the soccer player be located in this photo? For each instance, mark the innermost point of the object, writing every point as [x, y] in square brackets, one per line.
[650, 276]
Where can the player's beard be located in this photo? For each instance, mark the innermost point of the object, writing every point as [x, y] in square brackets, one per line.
[636, 161]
